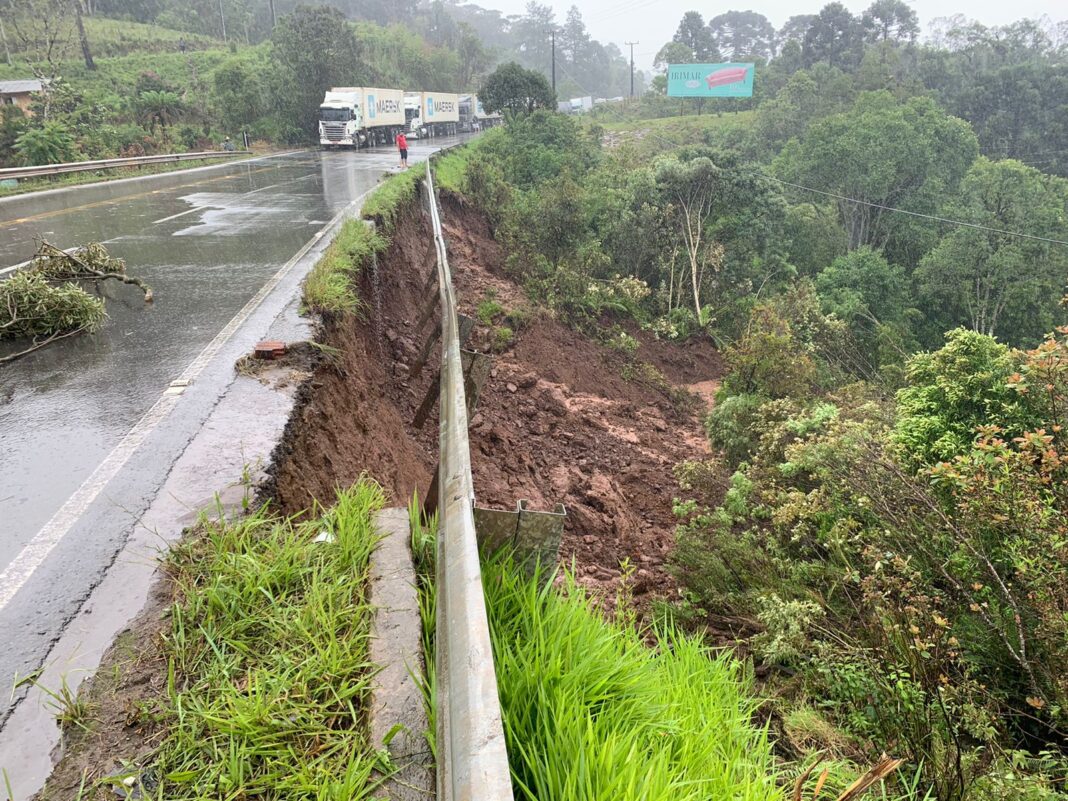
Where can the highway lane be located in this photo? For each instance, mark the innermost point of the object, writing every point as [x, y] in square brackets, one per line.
[207, 241]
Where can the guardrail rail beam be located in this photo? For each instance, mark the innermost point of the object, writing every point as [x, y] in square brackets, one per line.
[472, 755]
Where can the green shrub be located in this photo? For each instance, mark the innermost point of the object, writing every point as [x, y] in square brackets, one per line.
[955, 390]
[488, 310]
[731, 426]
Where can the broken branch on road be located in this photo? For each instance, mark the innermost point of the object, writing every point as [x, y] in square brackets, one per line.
[43, 304]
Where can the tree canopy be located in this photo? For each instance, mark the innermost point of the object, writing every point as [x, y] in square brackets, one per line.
[512, 88]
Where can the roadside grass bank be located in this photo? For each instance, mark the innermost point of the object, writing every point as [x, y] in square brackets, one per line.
[591, 711]
[257, 684]
[331, 286]
[97, 176]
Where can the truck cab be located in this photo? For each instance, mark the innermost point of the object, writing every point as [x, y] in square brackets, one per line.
[340, 119]
[413, 114]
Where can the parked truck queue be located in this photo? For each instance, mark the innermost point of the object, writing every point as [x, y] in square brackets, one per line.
[363, 116]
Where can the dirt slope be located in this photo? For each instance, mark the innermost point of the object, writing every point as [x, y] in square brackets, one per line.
[557, 420]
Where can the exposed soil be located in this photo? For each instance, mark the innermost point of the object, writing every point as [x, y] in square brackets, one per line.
[561, 419]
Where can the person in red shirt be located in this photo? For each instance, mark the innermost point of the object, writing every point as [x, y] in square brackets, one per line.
[402, 146]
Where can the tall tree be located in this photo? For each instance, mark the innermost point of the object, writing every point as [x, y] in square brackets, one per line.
[517, 90]
[795, 28]
[693, 34]
[689, 189]
[672, 53]
[314, 48]
[532, 34]
[574, 39]
[835, 37]
[739, 34]
[890, 21]
[995, 283]
[474, 58]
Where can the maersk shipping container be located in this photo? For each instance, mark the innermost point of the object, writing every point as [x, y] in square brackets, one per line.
[383, 108]
[439, 107]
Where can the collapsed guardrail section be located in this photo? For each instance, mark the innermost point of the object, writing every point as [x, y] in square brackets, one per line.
[472, 755]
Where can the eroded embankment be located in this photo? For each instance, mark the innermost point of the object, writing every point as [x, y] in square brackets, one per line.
[558, 421]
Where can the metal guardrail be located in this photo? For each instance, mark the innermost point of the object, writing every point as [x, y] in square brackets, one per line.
[472, 758]
[108, 164]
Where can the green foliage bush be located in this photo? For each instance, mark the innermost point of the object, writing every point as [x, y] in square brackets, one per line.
[731, 426]
[51, 143]
[953, 393]
[907, 561]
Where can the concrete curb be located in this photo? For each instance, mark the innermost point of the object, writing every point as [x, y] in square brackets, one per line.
[396, 646]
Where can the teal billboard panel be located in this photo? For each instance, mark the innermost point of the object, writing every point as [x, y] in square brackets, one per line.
[710, 80]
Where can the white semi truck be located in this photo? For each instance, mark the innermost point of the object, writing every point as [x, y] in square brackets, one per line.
[360, 116]
[473, 116]
[431, 113]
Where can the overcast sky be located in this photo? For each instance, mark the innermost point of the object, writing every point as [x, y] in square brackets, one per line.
[651, 23]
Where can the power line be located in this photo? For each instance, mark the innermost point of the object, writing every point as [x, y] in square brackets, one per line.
[917, 213]
[761, 172]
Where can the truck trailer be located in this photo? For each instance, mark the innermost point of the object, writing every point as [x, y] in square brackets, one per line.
[360, 116]
[431, 114]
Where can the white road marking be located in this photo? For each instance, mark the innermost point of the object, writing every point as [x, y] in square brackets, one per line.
[179, 214]
[36, 551]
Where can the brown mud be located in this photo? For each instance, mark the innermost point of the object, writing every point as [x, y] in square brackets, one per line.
[562, 418]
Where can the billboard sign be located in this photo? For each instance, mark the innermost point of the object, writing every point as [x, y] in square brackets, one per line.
[710, 80]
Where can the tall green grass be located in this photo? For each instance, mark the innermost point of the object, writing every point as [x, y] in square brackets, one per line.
[268, 663]
[389, 199]
[330, 286]
[450, 169]
[593, 713]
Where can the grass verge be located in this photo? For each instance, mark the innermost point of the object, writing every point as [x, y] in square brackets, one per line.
[268, 669]
[592, 712]
[395, 192]
[330, 286]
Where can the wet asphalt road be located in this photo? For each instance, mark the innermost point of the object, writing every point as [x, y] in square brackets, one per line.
[206, 241]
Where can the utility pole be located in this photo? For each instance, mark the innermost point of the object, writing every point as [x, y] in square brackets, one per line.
[631, 45]
[222, 17]
[274, 22]
[553, 34]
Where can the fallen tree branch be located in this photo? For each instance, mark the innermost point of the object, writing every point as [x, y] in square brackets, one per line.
[37, 345]
[85, 271]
